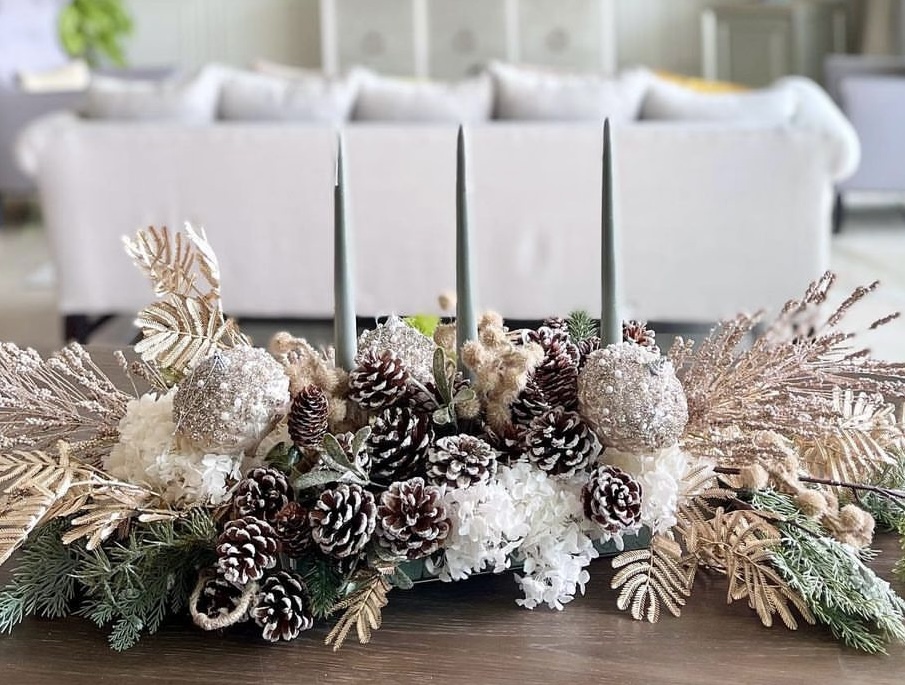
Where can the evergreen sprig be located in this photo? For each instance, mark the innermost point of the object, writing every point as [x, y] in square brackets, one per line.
[42, 583]
[134, 584]
[581, 326]
[324, 581]
[858, 606]
[889, 513]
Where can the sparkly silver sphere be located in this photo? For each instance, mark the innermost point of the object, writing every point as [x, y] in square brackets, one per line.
[229, 401]
[414, 348]
[632, 398]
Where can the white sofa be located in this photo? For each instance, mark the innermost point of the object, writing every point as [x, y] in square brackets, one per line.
[714, 217]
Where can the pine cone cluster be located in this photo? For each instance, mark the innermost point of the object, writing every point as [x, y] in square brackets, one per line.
[218, 597]
[343, 520]
[560, 443]
[612, 498]
[292, 528]
[262, 493]
[380, 380]
[398, 444]
[638, 333]
[246, 548]
[411, 519]
[282, 607]
[459, 461]
[307, 420]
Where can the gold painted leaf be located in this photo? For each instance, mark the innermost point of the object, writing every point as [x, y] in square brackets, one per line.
[362, 609]
[651, 578]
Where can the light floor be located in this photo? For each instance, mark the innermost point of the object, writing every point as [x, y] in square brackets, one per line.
[870, 247]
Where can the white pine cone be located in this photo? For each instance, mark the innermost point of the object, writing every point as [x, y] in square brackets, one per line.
[612, 498]
[411, 519]
[343, 520]
[560, 443]
[247, 547]
[460, 461]
[281, 608]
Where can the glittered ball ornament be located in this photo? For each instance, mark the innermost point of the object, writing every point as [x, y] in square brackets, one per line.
[230, 400]
[631, 398]
[414, 349]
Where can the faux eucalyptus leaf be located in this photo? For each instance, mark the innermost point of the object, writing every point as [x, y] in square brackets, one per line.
[318, 477]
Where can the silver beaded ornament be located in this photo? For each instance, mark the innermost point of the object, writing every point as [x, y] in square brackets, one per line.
[229, 400]
[632, 398]
[414, 348]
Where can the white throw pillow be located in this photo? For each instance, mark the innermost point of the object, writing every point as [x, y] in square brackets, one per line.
[541, 94]
[670, 101]
[248, 96]
[382, 98]
[189, 100]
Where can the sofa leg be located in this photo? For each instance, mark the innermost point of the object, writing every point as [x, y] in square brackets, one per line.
[838, 214]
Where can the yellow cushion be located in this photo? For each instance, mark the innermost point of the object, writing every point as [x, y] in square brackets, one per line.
[701, 85]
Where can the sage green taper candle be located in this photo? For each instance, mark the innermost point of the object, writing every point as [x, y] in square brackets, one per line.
[466, 320]
[610, 321]
[345, 333]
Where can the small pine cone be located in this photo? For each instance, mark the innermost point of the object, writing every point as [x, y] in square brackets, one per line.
[343, 519]
[612, 498]
[460, 461]
[557, 377]
[560, 443]
[398, 444]
[380, 380]
[218, 597]
[411, 519]
[529, 404]
[638, 333]
[508, 442]
[586, 346]
[262, 493]
[282, 607]
[307, 420]
[554, 341]
[291, 525]
[247, 547]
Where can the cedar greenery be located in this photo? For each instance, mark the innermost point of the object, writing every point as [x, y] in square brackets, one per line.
[858, 607]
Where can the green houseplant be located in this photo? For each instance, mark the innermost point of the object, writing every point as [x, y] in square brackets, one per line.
[94, 30]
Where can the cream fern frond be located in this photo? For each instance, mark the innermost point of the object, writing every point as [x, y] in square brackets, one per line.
[107, 507]
[858, 446]
[649, 578]
[362, 610]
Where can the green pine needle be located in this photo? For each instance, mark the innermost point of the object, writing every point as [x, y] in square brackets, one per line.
[858, 607]
[581, 326]
[324, 582]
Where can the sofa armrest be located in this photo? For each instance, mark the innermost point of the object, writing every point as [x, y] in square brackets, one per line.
[817, 112]
[33, 140]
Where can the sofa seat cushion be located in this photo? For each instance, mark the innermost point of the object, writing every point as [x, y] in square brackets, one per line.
[383, 98]
[539, 94]
[248, 96]
[669, 101]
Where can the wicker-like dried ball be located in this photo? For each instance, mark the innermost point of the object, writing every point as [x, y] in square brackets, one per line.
[414, 349]
[229, 401]
[631, 398]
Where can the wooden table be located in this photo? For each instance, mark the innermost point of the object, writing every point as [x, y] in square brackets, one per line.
[471, 632]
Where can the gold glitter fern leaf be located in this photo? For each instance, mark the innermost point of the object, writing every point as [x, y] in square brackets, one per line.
[362, 610]
[651, 578]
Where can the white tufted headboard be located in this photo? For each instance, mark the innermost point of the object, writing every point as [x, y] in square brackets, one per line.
[451, 38]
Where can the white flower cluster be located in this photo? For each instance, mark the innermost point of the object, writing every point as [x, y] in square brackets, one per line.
[148, 454]
[525, 515]
[660, 474]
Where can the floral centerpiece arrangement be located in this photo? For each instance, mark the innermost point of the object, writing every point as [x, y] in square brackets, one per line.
[283, 486]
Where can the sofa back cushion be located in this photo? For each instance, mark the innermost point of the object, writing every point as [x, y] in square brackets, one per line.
[539, 94]
[247, 96]
[191, 99]
[383, 98]
[671, 101]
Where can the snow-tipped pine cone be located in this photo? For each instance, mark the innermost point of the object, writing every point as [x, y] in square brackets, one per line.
[560, 443]
[218, 597]
[638, 333]
[262, 493]
[282, 607]
[246, 548]
[529, 404]
[459, 461]
[612, 498]
[292, 528]
[398, 444]
[379, 380]
[307, 420]
[342, 520]
[411, 519]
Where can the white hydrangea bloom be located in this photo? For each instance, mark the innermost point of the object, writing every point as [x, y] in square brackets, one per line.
[660, 473]
[148, 454]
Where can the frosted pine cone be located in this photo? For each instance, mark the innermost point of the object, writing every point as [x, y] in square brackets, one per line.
[638, 333]
[281, 608]
[554, 341]
[292, 527]
[247, 547]
[529, 404]
[560, 443]
[262, 493]
[411, 519]
[612, 498]
[307, 421]
[460, 461]
[379, 381]
[556, 323]
[509, 442]
[586, 346]
[557, 376]
[398, 444]
[218, 597]
[343, 519]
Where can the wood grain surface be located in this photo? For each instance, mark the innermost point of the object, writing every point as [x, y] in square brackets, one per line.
[471, 632]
